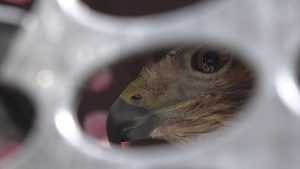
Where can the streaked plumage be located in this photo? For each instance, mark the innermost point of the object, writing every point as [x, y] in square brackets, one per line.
[183, 102]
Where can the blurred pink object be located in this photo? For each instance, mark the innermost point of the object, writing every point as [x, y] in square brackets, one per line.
[100, 82]
[95, 125]
[8, 148]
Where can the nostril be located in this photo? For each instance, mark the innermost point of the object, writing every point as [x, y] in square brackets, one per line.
[136, 97]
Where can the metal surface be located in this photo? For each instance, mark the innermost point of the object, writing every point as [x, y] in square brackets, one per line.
[61, 42]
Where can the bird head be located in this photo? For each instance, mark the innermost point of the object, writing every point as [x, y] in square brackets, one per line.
[188, 93]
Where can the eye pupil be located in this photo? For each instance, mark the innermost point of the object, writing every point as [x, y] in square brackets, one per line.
[211, 59]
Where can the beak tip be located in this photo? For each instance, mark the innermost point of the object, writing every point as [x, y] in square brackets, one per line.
[112, 133]
[123, 116]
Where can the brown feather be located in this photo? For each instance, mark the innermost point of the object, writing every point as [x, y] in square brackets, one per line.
[211, 100]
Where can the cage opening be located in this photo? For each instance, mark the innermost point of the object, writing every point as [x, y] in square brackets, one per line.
[170, 96]
[137, 7]
[17, 117]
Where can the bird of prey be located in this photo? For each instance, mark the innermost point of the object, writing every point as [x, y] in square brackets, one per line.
[184, 95]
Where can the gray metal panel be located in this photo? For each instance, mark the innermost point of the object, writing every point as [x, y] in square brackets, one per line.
[63, 41]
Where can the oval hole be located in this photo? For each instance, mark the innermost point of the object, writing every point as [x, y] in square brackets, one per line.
[171, 96]
[137, 7]
[17, 114]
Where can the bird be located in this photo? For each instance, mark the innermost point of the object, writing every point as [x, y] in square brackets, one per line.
[184, 95]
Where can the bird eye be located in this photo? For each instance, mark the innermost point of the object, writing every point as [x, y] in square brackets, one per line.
[209, 61]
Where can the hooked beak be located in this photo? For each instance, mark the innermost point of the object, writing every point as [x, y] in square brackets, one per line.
[128, 122]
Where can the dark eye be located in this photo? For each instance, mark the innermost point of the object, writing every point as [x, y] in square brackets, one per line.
[209, 61]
